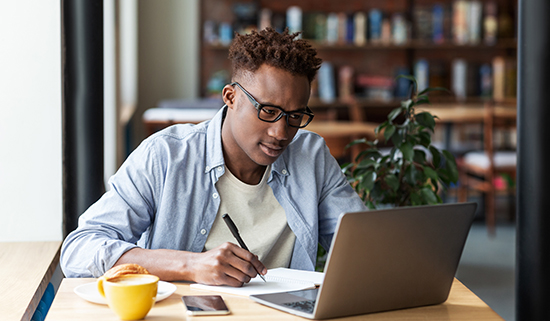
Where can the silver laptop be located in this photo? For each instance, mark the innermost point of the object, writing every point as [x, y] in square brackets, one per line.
[385, 260]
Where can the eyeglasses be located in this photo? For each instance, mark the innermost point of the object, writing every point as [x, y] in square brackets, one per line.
[271, 114]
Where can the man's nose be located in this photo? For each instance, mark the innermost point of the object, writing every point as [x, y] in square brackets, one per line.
[279, 129]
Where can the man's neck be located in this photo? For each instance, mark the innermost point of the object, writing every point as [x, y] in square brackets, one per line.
[248, 176]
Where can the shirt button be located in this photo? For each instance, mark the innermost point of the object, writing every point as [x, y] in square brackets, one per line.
[207, 168]
[219, 168]
[284, 172]
[203, 231]
[215, 195]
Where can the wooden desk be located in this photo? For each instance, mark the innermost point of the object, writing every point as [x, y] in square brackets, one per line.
[25, 271]
[461, 305]
[465, 113]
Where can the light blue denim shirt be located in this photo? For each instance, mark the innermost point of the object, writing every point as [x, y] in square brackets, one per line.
[164, 197]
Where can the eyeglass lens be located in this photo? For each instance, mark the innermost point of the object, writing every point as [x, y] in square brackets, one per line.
[271, 114]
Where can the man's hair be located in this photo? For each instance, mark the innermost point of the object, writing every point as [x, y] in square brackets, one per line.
[281, 50]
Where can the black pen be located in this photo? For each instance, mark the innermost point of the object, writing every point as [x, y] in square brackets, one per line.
[235, 232]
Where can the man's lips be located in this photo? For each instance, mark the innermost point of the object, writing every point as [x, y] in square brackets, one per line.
[271, 150]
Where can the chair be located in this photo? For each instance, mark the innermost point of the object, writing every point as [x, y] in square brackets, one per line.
[478, 170]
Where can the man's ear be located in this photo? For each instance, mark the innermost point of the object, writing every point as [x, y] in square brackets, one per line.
[228, 95]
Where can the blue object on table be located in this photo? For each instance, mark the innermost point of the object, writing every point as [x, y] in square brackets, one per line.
[44, 304]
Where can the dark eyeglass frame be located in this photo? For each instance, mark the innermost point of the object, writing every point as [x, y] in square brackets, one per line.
[259, 107]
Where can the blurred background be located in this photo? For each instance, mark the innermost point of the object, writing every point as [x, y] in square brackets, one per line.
[165, 62]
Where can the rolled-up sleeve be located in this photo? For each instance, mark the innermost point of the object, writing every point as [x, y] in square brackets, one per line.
[114, 224]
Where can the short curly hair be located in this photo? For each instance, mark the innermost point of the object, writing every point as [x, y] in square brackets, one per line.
[281, 50]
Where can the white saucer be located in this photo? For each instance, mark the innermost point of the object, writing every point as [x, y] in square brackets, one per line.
[89, 292]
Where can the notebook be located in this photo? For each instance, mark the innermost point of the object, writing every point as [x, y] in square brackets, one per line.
[385, 260]
[277, 280]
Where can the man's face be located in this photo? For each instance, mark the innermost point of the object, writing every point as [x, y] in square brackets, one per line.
[249, 141]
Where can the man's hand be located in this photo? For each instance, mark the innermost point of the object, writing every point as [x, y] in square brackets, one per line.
[228, 264]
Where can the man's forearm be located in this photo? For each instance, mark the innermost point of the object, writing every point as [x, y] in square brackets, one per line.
[168, 265]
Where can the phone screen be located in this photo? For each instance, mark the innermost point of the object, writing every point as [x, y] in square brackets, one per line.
[204, 304]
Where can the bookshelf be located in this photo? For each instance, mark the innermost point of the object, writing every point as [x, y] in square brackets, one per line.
[464, 56]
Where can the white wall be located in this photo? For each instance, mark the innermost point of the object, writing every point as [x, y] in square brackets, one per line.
[168, 54]
[30, 120]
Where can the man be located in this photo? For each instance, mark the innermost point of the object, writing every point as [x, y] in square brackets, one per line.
[280, 184]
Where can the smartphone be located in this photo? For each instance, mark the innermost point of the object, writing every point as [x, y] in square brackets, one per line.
[204, 304]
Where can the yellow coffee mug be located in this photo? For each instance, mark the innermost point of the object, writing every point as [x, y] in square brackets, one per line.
[130, 296]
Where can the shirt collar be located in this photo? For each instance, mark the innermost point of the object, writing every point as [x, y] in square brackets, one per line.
[214, 153]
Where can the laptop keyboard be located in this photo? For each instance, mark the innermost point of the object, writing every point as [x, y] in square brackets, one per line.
[304, 306]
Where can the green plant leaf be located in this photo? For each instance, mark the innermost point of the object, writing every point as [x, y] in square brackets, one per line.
[410, 175]
[436, 156]
[397, 138]
[428, 195]
[407, 150]
[373, 153]
[358, 141]
[388, 133]
[430, 89]
[406, 104]
[426, 119]
[419, 156]
[394, 113]
[368, 181]
[450, 164]
[392, 181]
[424, 101]
[425, 139]
[416, 199]
[367, 163]
[430, 172]
[380, 127]
[411, 78]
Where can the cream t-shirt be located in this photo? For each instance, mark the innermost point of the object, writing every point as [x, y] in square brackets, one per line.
[261, 220]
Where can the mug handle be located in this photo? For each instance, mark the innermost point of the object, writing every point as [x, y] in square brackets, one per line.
[100, 286]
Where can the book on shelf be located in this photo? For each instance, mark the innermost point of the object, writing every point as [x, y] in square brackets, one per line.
[473, 81]
[474, 19]
[278, 21]
[402, 85]
[350, 29]
[265, 18]
[438, 20]
[210, 35]
[342, 28]
[345, 83]
[376, 87]
[385, 37]
[375, 25]
[421, 73]
[490, 23]
[460, 22]
[458, 82]
[422, 17]
[399, 29]
[332, 28]
[360, 26]
[294, 19]
[438, 75]
[510, 77]
[308, 25]
[277, 280]
[486, 81]
[498, 78]
[327, 90]
[246, 16]
[226, 33]
[320, 27]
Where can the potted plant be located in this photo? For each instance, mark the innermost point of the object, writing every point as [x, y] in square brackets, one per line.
[413, 170]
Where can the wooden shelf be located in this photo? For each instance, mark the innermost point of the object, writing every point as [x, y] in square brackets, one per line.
[414, 44]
